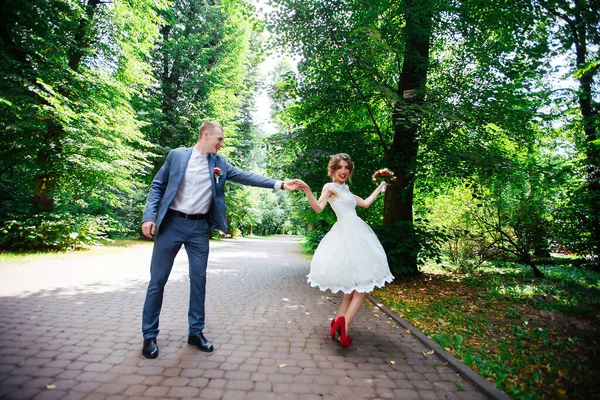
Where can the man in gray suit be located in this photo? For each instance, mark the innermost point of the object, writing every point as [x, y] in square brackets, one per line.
[186, 199]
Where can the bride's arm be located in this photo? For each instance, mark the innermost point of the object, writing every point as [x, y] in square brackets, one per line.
[317, 205]
[366, 203]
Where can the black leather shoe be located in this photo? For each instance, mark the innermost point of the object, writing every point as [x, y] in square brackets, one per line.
[150, 349]
[201, 343]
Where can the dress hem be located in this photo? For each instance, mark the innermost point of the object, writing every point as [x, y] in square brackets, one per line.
[347, 290]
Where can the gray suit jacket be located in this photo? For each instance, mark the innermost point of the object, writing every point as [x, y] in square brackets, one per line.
[167, 180]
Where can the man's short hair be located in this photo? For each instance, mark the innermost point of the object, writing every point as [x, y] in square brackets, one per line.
[210, 126]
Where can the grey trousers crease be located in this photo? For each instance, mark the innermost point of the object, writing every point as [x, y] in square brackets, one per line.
[175, 232]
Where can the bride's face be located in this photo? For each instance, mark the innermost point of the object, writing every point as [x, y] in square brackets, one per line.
[342, 172]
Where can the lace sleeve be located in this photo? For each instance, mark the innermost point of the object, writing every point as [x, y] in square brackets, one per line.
[329, 186]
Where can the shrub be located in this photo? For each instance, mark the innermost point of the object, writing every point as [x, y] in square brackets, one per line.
[55, 231]
[404, 240]
[314, 236]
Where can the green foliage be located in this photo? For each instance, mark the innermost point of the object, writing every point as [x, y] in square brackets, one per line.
[56, 232]
[71, 140]
[419, 240]
[314, 236]
[204, 66]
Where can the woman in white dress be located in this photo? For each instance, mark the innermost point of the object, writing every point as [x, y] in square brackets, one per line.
[349, 258]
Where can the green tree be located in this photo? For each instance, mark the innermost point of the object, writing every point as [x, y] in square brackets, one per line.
[70, 136]
[408, 77]
[577, 25]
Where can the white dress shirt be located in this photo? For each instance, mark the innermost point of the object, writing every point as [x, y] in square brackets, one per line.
[194, 194]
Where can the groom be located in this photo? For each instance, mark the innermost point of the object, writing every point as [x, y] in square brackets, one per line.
[186, 199]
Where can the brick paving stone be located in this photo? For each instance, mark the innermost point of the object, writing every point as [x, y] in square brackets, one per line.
[213, 373]
[199, 382]
[210, 394]
[64, 384]
[430, 395]
[234, 395]
[239, 385]
[22, 393]
[183, 392]
[472, 395]
[260, 395]
[384, 393]
[38, 383]
[85, 338]
[111, 388]
[50, 395]
[18, 380]
[95, 396]
[135, 390]
[86, 387]
[407, 394]
[157, 391]
[217, 383]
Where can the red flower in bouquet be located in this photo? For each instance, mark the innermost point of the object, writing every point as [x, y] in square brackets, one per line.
[217, 172]
[384, 175]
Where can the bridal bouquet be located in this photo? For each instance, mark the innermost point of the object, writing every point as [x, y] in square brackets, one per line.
[383, 175]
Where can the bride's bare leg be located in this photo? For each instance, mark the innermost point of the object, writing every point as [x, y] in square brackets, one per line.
[357, 301]
[345, 304]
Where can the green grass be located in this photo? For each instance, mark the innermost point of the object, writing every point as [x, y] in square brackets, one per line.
[533, 338]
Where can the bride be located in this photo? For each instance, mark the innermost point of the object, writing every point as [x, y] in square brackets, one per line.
[349, 258]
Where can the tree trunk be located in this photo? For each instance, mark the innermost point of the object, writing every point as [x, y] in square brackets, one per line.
[589, 114]
[577, 22]
[45, 182]
[406, 120]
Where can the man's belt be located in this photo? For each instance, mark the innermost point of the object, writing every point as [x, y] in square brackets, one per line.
[187, 216]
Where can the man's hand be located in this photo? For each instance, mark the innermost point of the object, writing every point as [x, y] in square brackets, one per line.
[291, 184]
[149, 229]
[301, 185]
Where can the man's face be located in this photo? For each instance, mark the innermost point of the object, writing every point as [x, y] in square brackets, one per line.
[214, 141]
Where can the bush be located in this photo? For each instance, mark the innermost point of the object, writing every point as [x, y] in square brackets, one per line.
[56, 231]
[314, 236]
[235, 232]
[404, 241]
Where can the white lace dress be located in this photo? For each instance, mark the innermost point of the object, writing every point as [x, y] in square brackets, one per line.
[349, 256]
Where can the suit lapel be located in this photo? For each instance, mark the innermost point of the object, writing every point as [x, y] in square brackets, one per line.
[211, 171]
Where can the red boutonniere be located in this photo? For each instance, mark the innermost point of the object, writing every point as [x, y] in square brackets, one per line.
[217, 172]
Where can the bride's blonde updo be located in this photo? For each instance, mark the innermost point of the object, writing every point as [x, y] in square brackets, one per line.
[334, 163]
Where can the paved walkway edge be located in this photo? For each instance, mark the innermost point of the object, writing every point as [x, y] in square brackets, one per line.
[490, 390]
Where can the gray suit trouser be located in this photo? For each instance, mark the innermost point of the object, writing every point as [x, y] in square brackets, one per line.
[174, 232]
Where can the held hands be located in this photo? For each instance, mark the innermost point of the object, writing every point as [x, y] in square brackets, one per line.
[327, 192]
[292, 184]
[149, 229]
[301, 185]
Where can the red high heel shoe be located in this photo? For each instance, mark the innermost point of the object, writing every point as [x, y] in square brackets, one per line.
[344, 339]
[335, 326]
